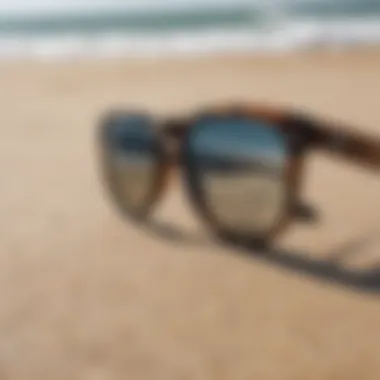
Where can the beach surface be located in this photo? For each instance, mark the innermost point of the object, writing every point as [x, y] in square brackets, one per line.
[86, 295]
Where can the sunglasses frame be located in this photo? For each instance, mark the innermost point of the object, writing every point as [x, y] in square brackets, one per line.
[301, 133]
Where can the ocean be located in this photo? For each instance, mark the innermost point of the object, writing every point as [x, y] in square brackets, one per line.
[123, 32]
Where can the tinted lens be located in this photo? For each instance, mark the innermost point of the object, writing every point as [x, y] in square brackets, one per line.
[241, 169]
[130, 160]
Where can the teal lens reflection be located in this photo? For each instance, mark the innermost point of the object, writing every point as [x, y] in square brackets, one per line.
[241, 165]
[130, 159]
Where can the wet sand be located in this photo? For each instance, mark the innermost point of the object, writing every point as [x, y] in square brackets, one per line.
[87, 296]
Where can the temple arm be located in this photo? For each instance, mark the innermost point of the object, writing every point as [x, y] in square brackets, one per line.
[355, 146]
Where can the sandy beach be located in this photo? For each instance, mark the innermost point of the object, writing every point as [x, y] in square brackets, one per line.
[86, 295]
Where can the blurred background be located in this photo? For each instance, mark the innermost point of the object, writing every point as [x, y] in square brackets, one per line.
[157, 27]
[88, 295]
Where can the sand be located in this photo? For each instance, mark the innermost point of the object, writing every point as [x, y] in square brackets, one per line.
[86, 295]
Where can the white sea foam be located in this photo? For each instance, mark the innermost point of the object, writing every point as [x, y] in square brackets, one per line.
[285, 36]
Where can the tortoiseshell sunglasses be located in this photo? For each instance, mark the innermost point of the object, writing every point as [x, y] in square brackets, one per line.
[242, 165]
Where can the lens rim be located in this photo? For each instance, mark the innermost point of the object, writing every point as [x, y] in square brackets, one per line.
[193, 181]
[137, 213]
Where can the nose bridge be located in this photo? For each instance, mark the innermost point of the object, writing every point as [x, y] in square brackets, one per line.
[176, 128]
[174, 133]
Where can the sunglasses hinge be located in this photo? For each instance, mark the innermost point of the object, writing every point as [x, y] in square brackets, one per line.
[306, 132]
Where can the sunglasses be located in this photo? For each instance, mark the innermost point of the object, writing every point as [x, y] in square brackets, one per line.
[242, 166]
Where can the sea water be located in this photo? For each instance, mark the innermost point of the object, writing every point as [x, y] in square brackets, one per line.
[197, 28]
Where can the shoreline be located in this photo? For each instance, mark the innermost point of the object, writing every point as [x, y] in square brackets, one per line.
[358, 52]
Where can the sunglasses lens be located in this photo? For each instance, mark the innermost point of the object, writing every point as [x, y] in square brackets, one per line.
[240, 168]
[130, 160]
